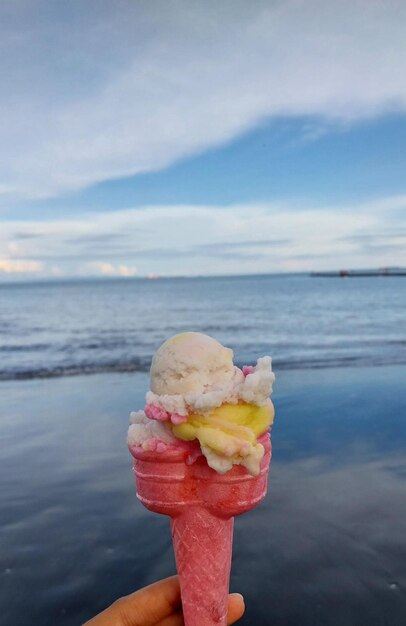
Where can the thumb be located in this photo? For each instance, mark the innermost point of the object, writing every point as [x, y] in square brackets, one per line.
[236, 607]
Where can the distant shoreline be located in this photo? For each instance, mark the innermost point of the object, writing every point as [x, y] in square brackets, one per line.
[74, 280]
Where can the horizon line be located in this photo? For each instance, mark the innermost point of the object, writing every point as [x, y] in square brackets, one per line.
[153, 276]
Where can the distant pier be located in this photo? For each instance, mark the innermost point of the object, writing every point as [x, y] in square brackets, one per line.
[384, 271]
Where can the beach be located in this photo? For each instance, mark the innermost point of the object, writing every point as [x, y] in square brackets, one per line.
[327, 547]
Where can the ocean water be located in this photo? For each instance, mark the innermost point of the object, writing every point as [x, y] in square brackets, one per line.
[66, 328]
[328, 545]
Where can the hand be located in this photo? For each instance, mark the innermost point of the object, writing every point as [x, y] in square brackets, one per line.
[156, 605]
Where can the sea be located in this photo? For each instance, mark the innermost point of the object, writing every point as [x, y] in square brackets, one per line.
[70, 328]
[327, 547]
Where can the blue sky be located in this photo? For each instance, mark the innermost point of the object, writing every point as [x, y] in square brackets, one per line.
[195, 138]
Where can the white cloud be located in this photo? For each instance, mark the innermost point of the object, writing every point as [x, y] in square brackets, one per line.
[12, 266]
[89, 95]
[176, 240]
[108, 269]
[125, 270]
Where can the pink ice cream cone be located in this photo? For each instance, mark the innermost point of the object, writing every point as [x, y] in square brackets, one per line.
[201, 504]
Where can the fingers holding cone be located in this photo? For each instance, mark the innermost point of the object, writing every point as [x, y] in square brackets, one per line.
[158, 604]
[236, 609]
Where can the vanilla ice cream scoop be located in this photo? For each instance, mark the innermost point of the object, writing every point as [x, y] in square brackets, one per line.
[191, 363]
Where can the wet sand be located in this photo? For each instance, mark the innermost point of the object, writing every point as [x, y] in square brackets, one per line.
[327, 548]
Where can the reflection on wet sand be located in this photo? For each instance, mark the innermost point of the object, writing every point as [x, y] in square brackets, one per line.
[334, 544]
[326, 548]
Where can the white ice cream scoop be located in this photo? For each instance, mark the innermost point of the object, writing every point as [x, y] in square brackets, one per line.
[191, 363]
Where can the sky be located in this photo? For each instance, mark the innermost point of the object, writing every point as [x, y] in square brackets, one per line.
[180, 137]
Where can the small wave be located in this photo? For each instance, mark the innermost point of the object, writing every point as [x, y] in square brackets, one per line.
[143, 365]
[344, 361]
[238, 327]
[33, 347]
[75, 370]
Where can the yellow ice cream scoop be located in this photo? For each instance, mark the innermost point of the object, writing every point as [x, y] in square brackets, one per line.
[230, 430]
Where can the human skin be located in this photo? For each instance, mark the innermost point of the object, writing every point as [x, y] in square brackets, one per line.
[156, 605]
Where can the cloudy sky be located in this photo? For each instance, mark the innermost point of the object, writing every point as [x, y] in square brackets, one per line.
[185, 137]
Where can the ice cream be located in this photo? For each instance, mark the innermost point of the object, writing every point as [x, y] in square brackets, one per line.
[191, 363]
[202, 451]
[201, 403]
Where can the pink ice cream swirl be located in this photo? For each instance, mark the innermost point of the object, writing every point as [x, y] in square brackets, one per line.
[155, 412]
[191, 449]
